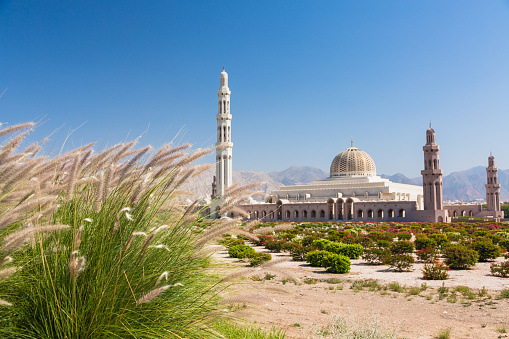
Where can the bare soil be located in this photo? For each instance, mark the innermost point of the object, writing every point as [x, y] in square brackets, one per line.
[304, 309]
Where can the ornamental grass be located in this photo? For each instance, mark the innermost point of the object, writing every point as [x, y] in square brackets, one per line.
[104, 245]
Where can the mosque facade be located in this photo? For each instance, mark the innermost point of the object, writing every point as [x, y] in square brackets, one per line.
[353, 191]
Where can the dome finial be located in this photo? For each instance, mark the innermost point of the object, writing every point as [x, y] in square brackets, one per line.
[223, 68]
[352, 142]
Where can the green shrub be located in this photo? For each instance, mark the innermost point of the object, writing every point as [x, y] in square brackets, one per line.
[424, 242]
[460, 257]
[352, 251]
[486, 249]
[383, 243]
[441, 239]
[317, 258]
[401, 262]
[241, 251]
[298, 252]
[404, 236]
[320, 244]
[229, 242]
[275, 245]
[402, 247]
[337, 263]
[427, 255]
[259, 258]
[504, 243]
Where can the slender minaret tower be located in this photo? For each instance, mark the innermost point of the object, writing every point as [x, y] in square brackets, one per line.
[224, 143]
[492, 186]
[432, 174]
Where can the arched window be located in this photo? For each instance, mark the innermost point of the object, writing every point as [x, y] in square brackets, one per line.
[463, 213]
[305, 214]
[401, 213]
[370, 214]
[228, 107]
[232, 215]
[229, 134]
[287, 214]
[313, 214]
[435, 166]
[455, 214]
[360, 214]
[224, 133]
[429, 163]
[296, 213]
[224, 106]
[380, 214]
[470, 213]
[322, 214]
[256, 214]
[391, 213]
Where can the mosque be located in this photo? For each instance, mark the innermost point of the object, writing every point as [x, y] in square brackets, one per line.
[353, 191]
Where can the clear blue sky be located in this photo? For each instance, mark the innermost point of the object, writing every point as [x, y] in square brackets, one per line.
[305, 76]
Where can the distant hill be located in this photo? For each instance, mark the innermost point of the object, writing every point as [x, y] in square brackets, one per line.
[298, 175]
[465, 185]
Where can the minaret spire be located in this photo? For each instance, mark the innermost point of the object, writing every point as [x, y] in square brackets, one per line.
[224, 143]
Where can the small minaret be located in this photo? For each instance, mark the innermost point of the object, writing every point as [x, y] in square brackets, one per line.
[432, 174]
[224, 143]
[492, 186]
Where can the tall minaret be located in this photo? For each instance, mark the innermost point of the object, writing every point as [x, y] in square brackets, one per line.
[224, 143]
[492, 186]
[432, 174]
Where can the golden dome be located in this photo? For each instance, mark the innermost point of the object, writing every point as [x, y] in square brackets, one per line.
[352, 162]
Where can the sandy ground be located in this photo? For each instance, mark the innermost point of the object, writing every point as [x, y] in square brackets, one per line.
[304, 309]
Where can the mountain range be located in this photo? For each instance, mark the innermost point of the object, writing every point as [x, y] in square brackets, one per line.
[465, 185]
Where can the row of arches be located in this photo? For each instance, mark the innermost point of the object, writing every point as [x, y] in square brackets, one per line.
[380, 214]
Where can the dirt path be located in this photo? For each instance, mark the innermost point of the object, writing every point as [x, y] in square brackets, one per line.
[303, 309]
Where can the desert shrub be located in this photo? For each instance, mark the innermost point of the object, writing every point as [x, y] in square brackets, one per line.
[500, 269]
[352, 251]
[262, 239]
[402, 247]
[486, 249]
[298, 252]
[404, 236]
[401, 262]
[441, 239]
[259, 258]
[504, 243]
[308, 240]
[460, 257]
[383, 243]
[424, 242]
[317, 258]
[241, 251]
[337, 263]
[427, 255]
[320, 244]
[229, 242]
[435, 271]
[275, 245]
[376, 256]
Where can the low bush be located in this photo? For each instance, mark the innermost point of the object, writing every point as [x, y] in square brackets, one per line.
[377, 256]
[427, 255]
[241, 251]
[441, 239]
[259, 258]
[337, 263]
[352, 251]
[298, 252]
[460, 257]
[435, 271]
[229, 242]
[275, 245]
[404, 236]
[402, 247]
[401, 262]
[424, 242]
[500, 269]
[317, 258]
[383, 243]
[486, 249]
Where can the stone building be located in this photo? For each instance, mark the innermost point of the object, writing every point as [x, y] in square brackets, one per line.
[353, 191]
